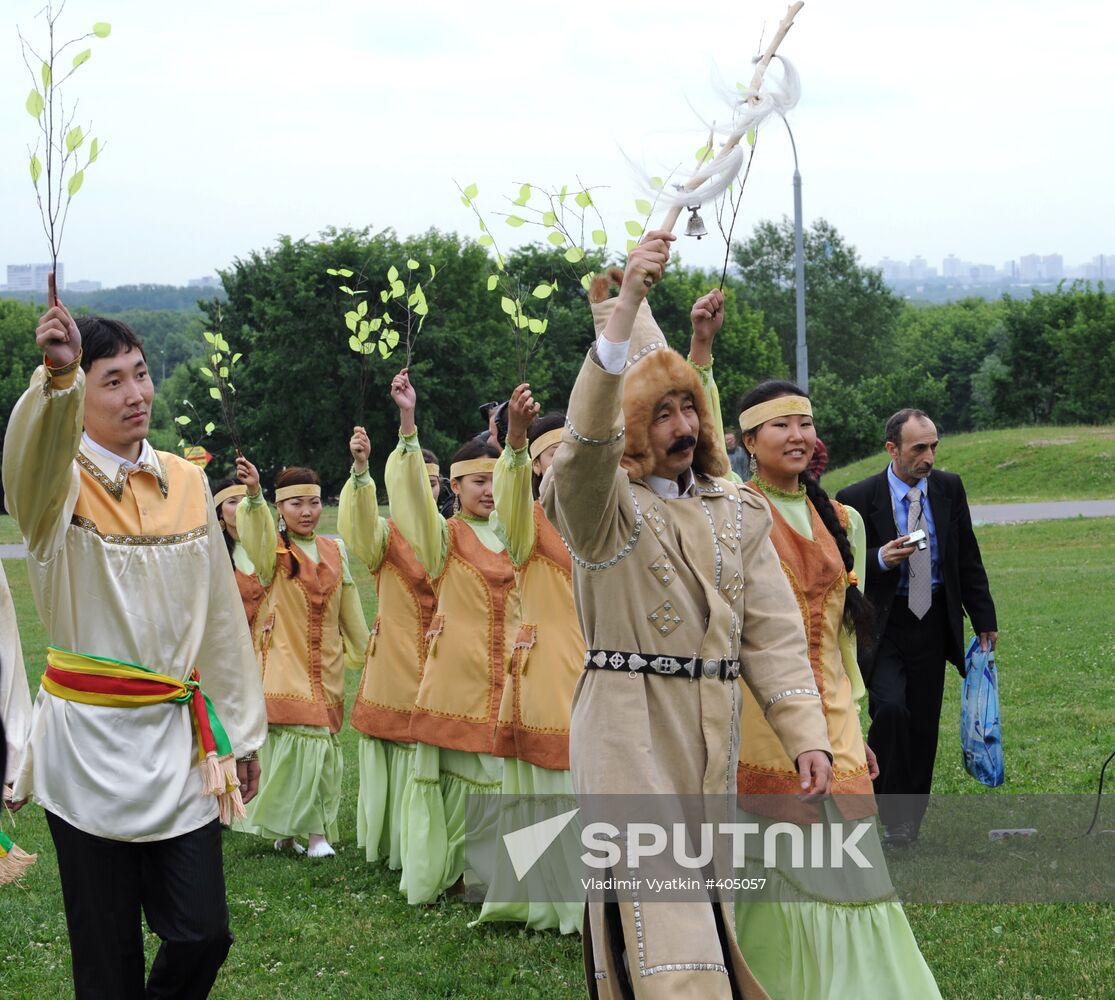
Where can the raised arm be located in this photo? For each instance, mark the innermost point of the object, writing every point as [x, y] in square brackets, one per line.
[707, 318]
[255, 524]
[359, 521]
[44, 432]
[511, 486]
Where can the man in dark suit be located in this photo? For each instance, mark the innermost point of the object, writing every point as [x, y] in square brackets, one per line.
[920, 597]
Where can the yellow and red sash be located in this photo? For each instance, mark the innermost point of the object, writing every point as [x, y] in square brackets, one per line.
[98, 680]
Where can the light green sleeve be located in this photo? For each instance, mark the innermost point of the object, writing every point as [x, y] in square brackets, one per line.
[847, 639]
[353, 624]
[256, 528]
[359, 521]
[513, 520]
[712, 394]
[412, 505]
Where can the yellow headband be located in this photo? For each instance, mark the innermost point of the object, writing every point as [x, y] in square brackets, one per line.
[783, 406]
[301, 490]
[544, 441]
[230, 491]
[433, 469]
[474, 466]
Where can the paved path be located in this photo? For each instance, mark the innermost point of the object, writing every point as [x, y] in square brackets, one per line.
[995, 513]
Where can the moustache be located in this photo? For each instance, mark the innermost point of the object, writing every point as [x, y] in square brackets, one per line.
[681, 444]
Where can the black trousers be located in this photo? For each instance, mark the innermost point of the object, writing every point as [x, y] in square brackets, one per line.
[904, 701]
[179, 884]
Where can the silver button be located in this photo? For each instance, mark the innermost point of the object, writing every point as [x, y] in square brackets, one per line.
[711, 668]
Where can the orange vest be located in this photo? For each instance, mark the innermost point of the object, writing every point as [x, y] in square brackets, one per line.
[301, 651]
[253, 594]
[395, 654]
[818, 579]
[534, 711]
[469, 646]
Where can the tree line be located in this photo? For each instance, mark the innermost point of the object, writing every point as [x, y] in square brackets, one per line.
[300, 388]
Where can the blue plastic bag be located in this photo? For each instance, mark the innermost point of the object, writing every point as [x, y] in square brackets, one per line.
[981, 731]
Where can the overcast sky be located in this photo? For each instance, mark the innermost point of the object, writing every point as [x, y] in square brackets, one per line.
[976, 128]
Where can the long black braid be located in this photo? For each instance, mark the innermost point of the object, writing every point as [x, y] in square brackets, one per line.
[859, 613]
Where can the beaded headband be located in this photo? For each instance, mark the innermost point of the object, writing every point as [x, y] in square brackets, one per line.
[230, 491]
[473, 467]
[544, 441]
[301, 490]
[783, 406]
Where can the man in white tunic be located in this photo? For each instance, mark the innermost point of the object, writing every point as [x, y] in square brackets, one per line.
[132, 580]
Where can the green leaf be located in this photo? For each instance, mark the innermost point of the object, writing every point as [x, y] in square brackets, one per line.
[556, 239]
[346, 290]
[392, 338]
[586, 281]
[332, 271]
[223, 372]
[657, 183]
[363, 331]
[543, 291]
[83, 57]
[422, 309]
[221, 344]
[493, 280]
[384, 350]
[433, 272]
[183, 420]
[471, 191]
[507, 305]
[351, 319]
[413, 265]
[515, 221]
[535, 325]
[46, 76]
[206, 372]
[751, 137]
[74, 138]
[485, 240]
[465, 201]
[574, 255]
[545, 324]
[355, 345]
[214, 392]
[102, 29]
[210, 427]
[344, 272]
[384, 295]
[392, 274]
[634, 228]
[523, 321]
[500, 262]
[398, 290]
[361, 309]
[375, 324]
[35, 104]
[702, 154]
[94, 149]
[235, 358]
[584, 199]
[524, 195]
[548, 218]
[562, 193]
[208, 336]
[631, 244]
[599, 237]
[36, 169]
[642, 206]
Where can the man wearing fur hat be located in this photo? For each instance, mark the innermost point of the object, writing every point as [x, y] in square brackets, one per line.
[679, 593]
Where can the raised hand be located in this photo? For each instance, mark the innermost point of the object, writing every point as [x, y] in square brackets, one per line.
[58, 336]
[521, 411]
[360, 446]
[646, 264]
[248, 474]
[405, 399]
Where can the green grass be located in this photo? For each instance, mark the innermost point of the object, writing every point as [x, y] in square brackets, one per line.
[339, 929]
[1024, 464]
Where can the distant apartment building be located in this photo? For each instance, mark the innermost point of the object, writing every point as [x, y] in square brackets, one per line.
[1052, 267]
[1029, 267]
[33, 277]
[83, 286]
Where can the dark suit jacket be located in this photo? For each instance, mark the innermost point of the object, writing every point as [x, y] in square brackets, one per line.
[961, 568]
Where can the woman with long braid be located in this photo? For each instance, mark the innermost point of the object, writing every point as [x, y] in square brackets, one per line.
[836, 933]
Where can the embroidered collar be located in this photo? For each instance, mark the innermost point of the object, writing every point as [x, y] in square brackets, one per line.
[670, 489]
[111, 471]
[779, 494]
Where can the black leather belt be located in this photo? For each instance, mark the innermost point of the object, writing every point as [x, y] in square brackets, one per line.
[669, 666]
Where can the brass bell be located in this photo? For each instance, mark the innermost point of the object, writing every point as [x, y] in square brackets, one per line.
[696, 225]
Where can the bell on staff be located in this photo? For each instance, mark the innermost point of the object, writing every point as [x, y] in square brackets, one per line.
[696, 225]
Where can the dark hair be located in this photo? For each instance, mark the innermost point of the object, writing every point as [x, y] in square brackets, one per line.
[898, 421]
[294, 475]
[429, 456]
[474, 449]
[224, 484]
[105, 338]
[858, 612]
[542, 425]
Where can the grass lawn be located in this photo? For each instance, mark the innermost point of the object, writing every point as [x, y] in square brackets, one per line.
[1020, 465]
[339, 928]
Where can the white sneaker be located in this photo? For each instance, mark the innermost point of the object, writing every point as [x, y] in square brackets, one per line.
[285, 844]
[322, 849]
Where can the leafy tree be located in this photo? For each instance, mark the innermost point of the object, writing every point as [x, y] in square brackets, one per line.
[850, 314]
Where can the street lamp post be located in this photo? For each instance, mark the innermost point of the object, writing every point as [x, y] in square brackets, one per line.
[799, 271]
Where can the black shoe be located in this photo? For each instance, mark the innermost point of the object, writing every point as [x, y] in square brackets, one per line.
[900, 835]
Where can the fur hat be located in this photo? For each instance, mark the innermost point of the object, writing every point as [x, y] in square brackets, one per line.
[654, 370]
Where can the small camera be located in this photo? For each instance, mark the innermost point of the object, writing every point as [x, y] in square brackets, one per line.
[917, 539]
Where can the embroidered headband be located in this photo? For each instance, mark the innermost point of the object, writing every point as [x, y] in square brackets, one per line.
[544, 441]
[473, 467]
[433, 469]
[228, 492]
[783, 406]
[301, 490]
